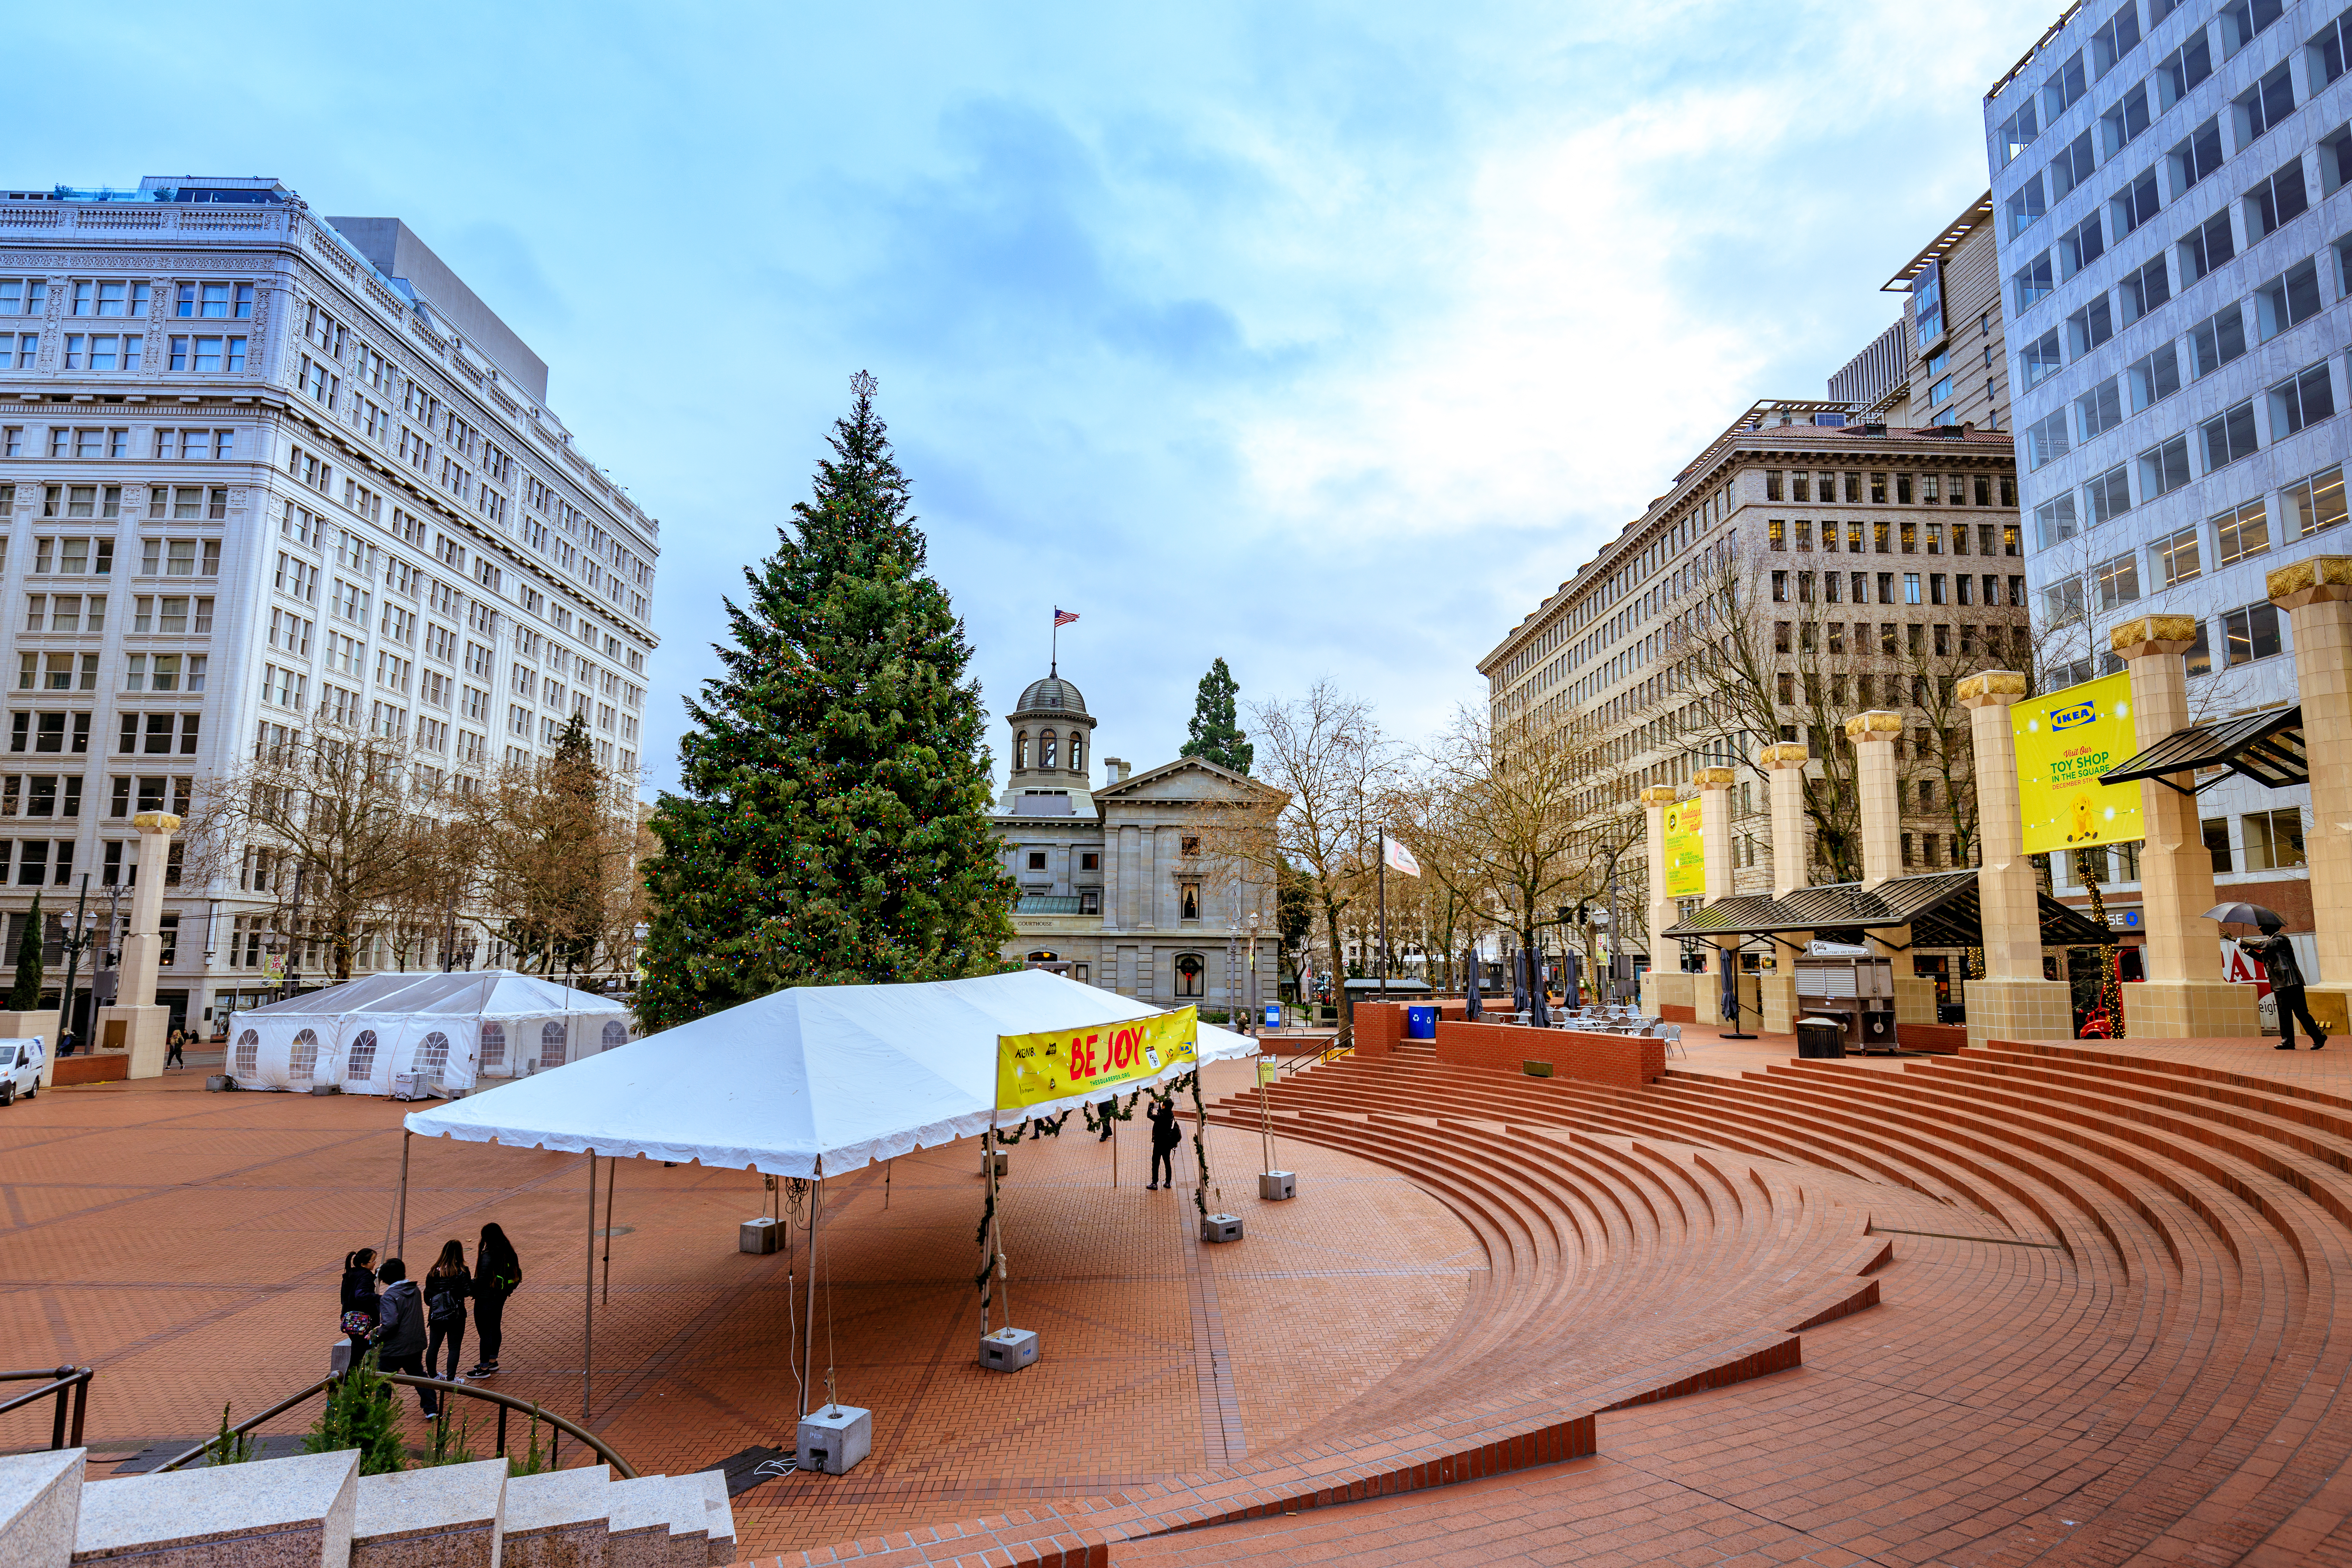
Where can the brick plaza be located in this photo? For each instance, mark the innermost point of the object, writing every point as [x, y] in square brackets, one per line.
[2006, 1307]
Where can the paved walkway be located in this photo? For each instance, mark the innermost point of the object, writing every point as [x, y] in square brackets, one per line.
[189, 1245]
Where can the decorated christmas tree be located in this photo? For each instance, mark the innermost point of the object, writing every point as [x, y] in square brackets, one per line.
[832, 822]
[1216, 735]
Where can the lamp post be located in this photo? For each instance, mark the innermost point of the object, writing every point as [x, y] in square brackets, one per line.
[294, 942]
[77, 938]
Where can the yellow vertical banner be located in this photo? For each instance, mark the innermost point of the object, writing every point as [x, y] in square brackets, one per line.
[1685, 852]
[2064, 742]
[1062, 1063]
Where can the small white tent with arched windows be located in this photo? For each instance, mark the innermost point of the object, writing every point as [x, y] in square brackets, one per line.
[442, 1033]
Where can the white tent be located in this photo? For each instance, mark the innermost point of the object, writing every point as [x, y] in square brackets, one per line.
[453, 1029]
[844, 1074]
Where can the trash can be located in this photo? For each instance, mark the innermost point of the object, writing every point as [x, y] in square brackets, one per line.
[1421, 1023]
[1821, 1037]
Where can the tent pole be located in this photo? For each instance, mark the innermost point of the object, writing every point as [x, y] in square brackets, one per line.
[404, 1136]
[612, 1169]
[588, 1305]
[808, 1347]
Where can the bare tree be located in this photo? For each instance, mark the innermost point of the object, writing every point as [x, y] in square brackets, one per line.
[1518, 834]
[558, 841]
[352, 815]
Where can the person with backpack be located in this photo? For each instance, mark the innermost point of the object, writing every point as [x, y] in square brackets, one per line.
[399, 1335]
[496, 1272]
[447, 1289]
[359, 1298]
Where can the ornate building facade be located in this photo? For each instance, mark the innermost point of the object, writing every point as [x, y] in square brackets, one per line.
[1120, 885]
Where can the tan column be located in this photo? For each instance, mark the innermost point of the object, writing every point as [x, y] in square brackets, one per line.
[1784, 766]
[1873, 735]
[1784, 770]
[2012, 1002]
[2184, 994]
[136, 1023]
[1715, 829]
[2316, 594]
[1666, 991]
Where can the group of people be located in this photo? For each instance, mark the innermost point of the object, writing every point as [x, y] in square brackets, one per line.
[409, 1324]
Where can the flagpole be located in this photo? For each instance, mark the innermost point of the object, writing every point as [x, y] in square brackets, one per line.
[1053, 656]
[1383, 881]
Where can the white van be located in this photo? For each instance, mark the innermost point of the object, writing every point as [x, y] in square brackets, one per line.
[20, 1069]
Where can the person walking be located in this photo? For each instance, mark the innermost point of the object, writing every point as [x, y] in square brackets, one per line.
[496, 1272]
[1164, 1139]
[360, 1298]
[399, 1335]
[447, 1287]
[66, 1044]
[2276, 955]
[179, 1041]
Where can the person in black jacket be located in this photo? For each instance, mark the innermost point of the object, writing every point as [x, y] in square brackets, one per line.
[2276, 955]
[448, 1287]
[359, 1284]
[1164, 1139]
[496, 1272]
[399, 1336]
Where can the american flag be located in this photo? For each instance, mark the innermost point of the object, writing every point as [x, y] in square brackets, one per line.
[1063, 617]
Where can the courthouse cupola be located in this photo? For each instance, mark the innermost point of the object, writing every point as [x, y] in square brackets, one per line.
[1053, 736]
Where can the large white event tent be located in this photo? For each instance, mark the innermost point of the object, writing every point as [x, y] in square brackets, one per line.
[453, 1029]
[814, 1080]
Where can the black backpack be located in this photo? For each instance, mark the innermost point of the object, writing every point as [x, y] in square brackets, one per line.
[446, 1307]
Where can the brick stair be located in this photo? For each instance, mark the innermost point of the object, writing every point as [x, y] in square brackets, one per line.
[318, 1508]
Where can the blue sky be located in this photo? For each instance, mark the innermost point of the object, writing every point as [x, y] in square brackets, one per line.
[1326, 339]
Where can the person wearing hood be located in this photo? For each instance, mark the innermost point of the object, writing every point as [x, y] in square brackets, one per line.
[1164, 1141]
[399, 1336]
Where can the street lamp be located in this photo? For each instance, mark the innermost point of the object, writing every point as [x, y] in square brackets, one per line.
[77, 937]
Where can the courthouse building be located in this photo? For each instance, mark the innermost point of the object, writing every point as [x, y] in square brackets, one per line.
[1130, 887]
[261, 471]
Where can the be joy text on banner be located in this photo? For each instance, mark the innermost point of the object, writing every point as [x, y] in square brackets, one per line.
[1032, 1070]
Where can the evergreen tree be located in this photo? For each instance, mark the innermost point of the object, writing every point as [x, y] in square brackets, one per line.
[832, 822]
[26, 996]
[1216, 738]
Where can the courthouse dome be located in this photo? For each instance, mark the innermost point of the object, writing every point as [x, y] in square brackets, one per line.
[1051, 695]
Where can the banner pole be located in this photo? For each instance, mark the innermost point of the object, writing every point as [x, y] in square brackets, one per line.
[808, 1347]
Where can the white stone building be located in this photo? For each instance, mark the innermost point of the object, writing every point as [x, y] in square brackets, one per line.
[261, 470]
[1119, 885]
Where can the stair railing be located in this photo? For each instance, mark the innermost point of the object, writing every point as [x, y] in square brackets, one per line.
[63, 1383]
[1304, 1059]
[505, 1402]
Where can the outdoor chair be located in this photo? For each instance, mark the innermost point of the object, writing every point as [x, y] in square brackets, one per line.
[1673, 1034]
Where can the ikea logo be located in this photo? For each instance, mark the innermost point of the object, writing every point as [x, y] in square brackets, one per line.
[2074, 718]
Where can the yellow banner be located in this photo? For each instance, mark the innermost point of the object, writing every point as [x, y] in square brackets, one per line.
[1034, 1068]
[1685, 852]
[2064, 742]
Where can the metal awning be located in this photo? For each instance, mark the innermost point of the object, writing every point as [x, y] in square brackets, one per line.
[1941, 909]
[2266, 747]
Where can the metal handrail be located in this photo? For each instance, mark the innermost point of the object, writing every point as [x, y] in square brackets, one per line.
[1302, 1060]
[504, 1401]
[65, 1380]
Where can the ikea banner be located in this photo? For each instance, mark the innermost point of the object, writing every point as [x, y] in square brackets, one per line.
[2064, 742]
[1034, 1068]
[1685, 852]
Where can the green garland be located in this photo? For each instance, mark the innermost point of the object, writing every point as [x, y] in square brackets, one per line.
[1112, 1113]
[1199, 1149]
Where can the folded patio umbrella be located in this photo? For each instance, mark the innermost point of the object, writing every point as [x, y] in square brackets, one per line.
[2244, 915]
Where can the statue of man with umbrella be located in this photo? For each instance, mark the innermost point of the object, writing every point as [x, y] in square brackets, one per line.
[2276, 955]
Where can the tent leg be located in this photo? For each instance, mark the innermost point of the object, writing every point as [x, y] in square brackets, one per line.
[588, 1305]
[612, 1169]
[808, 1348]
[401, 1246]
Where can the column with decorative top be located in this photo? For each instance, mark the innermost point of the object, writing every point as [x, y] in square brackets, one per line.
[135, 1023]
[2184, 996]
[1875, 735]
[1666, 991]
[1784, 770]
[2316, 595]
[1715, 837]
[2012, 1002]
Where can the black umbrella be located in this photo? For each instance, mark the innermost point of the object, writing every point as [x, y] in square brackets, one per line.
[2244, 915]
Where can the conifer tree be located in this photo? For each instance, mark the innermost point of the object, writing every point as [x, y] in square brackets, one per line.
[832, 822]
[26, 995]
[1216, 736]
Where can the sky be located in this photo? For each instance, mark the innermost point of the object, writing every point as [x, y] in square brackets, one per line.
[1326, 339]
